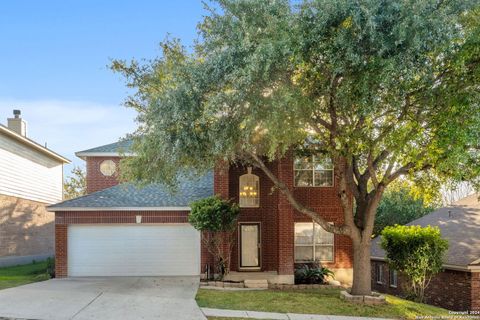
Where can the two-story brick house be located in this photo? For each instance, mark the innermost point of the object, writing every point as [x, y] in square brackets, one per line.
[123, 230]
[31, 177]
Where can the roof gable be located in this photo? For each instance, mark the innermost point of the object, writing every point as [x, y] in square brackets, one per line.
[111, 149]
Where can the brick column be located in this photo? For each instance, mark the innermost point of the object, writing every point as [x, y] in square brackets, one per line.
[285, 224]
[61, 243]
[475, 295]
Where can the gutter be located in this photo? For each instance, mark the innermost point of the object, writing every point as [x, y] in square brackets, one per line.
[89, 209]
[83, 155]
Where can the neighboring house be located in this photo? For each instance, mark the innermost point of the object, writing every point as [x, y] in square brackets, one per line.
[458, 286]
[122, 230]
[31, 177]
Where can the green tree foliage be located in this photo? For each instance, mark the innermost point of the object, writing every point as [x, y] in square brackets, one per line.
[399, 205]
[416, 252]
[75, 185]
[385, 88]
[217, 220]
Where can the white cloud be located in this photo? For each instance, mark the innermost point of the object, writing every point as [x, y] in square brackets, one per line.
[70, 126]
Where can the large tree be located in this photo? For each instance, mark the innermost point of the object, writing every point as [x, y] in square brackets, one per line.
[385, 88]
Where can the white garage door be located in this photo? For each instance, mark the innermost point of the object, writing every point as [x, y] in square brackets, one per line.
[133, 250]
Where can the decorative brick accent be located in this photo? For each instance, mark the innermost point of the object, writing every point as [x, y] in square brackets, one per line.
[93, 217]
[450, 289]
[95, 179]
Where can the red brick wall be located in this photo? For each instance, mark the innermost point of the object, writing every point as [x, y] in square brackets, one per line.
[325, 201]
[277, 217]
[450, 289]
[95, 179]
[475, 294]
[266, 215]
[61, 264]
[63, 219]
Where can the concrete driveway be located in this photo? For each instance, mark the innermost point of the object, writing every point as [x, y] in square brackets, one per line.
[104, 298]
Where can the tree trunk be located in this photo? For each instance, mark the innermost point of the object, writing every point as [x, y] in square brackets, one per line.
[362, 275]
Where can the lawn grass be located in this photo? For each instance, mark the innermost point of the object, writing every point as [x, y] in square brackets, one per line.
[315, 301]
[19, 275]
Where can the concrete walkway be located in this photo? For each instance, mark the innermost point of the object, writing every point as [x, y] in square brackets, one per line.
[275, 316]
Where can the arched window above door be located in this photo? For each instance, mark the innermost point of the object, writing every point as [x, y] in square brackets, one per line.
[249, 190]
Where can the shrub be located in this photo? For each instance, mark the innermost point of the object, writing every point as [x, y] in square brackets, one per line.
[51, 267]
[312, 273]
[217, 220]
[416, 252]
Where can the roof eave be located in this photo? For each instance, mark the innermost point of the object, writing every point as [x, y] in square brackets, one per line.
[33, 144]
[469, 268]
[83, 155]
[53, 208]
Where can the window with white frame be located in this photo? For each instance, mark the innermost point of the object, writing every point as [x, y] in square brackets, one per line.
[313, 243]
[379, 273]
[249, 190]
[313, 171]
[393, 278]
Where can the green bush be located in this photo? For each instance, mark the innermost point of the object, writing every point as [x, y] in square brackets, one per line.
[213, 215]
[415, 251]
[312, 273]
[217, 220]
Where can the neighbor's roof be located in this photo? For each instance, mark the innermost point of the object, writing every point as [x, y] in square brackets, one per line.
[460, 225]
[32, 144]
[151, 197]
[111, 149]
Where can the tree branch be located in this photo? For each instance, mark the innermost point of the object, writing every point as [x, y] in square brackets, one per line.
[342, 229]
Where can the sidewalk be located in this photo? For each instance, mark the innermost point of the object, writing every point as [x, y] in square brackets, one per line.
[275, 316]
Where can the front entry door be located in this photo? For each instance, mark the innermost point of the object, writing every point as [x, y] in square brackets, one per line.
[249, 245]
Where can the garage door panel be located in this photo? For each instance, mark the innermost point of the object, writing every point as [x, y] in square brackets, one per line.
[133, 250]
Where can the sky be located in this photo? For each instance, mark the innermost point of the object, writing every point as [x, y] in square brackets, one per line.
[54, 58]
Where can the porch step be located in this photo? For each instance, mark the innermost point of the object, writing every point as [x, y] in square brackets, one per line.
[257, 283]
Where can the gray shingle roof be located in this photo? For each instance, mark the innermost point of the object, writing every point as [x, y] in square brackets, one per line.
[151, 196]
[460, 226]
[116, 147]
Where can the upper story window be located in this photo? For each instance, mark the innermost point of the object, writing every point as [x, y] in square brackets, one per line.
[249, 190]
[313, 171]
[108, 168]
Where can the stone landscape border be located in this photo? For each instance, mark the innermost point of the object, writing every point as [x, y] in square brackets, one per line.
[374, 299]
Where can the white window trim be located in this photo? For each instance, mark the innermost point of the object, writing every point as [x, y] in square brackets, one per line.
[313, 176]
[315, 245]
[393, 274]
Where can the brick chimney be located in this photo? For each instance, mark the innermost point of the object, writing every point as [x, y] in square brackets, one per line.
[17, 124]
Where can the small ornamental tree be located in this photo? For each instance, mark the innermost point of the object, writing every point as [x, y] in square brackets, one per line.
[216, 219]
[416, 252]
